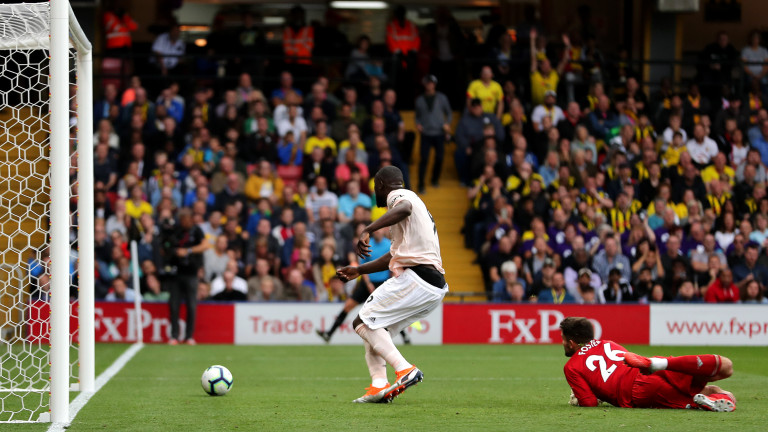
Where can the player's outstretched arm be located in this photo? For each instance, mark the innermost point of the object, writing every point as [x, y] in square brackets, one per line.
[399, 212]
[352, 272]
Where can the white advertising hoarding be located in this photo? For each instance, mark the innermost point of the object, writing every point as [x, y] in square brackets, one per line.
[295, 324]
[711, 324]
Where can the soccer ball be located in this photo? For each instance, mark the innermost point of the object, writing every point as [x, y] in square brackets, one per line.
[216, 380]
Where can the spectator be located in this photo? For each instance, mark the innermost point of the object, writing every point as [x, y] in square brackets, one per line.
[120, 292]
[488, 91]
[502, 288]
[701, 147]
[216, 259]
[350, 200]
[470, 135]
[687, 294]
[295, 123]
[320, 196]
[433, 121]
[264, 184]
[722, 290]
[609, 258]
[297, 289]
[749, 269]
[320, 139]
[557, 294]
[752, 294]
[352, 169]
[717, 61]
[228, 287]
[755, 59]
[616, 289]
[168, 49]
[543, 77]
[603, 120]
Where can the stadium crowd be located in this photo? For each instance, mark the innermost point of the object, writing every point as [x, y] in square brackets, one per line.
[579, 191]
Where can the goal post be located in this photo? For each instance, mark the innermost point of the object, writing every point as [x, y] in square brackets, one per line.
[45, 169]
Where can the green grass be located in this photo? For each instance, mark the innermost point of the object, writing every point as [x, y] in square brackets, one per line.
[465, 388]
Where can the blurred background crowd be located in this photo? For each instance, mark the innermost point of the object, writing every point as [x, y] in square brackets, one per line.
[243, 160]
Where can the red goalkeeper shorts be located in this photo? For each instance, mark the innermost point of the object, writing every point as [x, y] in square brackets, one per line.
[666, 389]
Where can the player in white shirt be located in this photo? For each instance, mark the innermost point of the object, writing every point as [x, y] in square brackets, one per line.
[415, 290]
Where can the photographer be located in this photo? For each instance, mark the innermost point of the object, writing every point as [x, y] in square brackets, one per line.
[181, 253]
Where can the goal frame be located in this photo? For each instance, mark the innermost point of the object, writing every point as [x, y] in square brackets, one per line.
[63, 24]
[66, 34]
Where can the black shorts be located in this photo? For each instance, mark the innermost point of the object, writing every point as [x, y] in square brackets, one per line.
[360, 293]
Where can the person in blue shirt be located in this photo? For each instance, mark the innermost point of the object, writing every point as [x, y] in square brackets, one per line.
[288, 152]
[366, 284]
[557, 294]
[353, 198]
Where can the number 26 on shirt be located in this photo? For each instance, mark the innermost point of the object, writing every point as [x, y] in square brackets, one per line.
[595, 361]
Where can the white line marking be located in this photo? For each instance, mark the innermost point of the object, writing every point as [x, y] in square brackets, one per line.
[76, 405]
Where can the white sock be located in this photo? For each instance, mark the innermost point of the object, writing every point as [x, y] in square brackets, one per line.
[376, 366]
[658, 364]
[381, 342]
[379, 382]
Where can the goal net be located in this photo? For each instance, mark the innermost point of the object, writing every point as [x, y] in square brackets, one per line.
[46, 241]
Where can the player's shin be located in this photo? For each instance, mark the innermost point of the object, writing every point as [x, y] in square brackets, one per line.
[339, 320]
[706, 365]
[377, 367]
[381, 342]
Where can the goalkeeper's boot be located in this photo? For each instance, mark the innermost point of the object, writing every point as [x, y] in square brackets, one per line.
[638, 362]
[405, 378]
[372, 395]
[717, 402]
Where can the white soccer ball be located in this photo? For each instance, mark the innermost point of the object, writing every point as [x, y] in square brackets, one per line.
[216, 380]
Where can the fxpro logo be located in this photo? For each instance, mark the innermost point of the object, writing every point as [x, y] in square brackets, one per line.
[122, 328]
[543, 328]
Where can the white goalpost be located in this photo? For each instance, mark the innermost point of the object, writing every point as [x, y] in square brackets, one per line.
[46, 212]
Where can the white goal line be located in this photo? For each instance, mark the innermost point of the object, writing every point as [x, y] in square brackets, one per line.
[79, 402]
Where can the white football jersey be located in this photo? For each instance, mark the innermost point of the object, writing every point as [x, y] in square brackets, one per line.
[414, 239]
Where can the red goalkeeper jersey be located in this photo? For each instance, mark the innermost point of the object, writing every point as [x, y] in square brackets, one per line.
[597, 371]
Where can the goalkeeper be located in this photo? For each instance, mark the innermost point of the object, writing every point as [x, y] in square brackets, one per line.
[604, 370]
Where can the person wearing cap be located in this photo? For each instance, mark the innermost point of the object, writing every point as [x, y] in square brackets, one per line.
[585, 281]
[547, 109]
[488, 91]
[470, 136]
[433, 121]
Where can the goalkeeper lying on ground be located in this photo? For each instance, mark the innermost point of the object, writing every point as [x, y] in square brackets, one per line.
[601, 370]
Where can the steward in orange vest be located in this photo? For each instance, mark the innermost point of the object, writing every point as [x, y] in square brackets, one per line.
[118, 26]
[298, 38]
[402, 35]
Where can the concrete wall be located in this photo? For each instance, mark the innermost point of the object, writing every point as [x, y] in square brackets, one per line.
[697, 33]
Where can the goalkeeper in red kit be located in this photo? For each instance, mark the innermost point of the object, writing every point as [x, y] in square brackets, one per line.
[601, 370]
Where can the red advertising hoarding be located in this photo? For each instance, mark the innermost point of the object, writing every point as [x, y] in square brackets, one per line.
[538, 324]
[116, 322]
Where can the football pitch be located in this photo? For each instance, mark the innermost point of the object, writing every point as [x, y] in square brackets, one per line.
[466, 387]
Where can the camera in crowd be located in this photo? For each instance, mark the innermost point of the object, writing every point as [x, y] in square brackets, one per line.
[168, 240]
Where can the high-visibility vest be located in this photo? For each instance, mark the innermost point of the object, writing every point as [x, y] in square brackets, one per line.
[405, 38]
[118, 30]
[297, 46]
